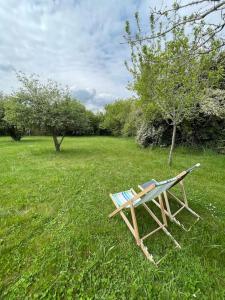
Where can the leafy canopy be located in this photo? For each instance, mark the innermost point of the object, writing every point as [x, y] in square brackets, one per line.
[171, 79]
[50, 107]
[47, 107]
[119, 117]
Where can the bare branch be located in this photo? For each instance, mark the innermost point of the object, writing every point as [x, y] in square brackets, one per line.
[195, 19]
[162, 13]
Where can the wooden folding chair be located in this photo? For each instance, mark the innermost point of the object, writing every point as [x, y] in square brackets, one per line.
[182, 202]
[130, 200]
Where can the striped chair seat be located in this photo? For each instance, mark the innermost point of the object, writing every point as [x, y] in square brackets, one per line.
[122, 197]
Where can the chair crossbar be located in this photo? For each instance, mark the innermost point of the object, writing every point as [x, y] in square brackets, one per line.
[134, 227]
[162, 226]
[186, 206]
[183, 203]
[152, 232]
[179, 210]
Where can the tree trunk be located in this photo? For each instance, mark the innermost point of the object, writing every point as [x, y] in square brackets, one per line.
[172, 144]
[56, 143]
[15, 134]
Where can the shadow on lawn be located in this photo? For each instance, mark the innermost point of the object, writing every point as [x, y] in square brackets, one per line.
[70, 152]
[33, 139]
[199, 243]
[11, 142]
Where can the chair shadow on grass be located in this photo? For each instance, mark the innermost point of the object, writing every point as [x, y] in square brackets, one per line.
[158, 244]
[196, 242]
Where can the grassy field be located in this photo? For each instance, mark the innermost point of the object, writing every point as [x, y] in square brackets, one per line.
[56, 241]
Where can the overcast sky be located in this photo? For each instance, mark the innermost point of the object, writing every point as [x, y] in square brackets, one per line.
[76, 42]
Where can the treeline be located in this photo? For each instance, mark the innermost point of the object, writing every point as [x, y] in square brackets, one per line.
[17, 132]
[204, 128]
[48, 109]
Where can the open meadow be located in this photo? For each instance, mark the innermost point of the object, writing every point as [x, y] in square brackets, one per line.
[56, 240]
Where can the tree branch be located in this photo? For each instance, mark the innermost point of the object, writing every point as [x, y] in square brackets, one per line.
[62, 138]
[184, 21]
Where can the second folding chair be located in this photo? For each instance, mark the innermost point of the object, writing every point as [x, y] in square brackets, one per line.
[183, 203]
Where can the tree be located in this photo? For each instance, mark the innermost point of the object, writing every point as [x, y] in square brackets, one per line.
[169, 76]
[2, 114]
[94, 121]
[11, 127]
[1, 111]
[197, 15]
[47, 107]
[118, 117]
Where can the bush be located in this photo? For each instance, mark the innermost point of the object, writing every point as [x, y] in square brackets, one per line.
[7, 128]
[149, 134]
[203, 130]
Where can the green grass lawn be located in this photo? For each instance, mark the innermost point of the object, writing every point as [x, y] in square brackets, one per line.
[56, 240]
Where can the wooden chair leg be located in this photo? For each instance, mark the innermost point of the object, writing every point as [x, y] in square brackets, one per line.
[161, 226]
[162, 210]
[184, 205]
[124, 218]
[147, 254]
[134, 220]
[184, 192]
[167, 205]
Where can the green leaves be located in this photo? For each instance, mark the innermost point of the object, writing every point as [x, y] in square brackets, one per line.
[120, 117]
[2, 113]
[168, 73]
[45, 106]
[213, 103]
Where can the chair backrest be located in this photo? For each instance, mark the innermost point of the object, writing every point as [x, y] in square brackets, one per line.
[162, 186]
[182, 175]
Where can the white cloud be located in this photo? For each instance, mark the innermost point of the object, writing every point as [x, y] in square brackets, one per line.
[77, 43]
[91, 98]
